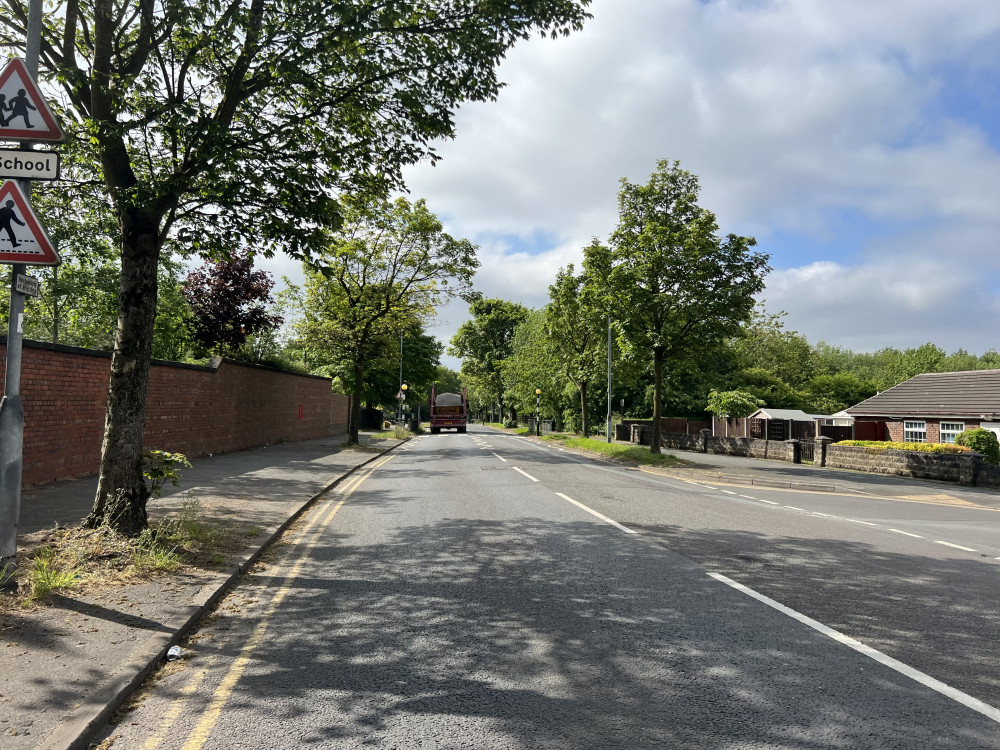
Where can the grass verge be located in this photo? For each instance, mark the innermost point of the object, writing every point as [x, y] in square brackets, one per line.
[60, 559]
[625, 454]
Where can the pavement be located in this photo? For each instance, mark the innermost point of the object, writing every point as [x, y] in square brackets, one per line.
[738, 470]
[68, 665]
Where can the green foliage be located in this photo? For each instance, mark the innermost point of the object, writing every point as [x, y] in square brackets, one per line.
[982, 441]
[675, 288]
[160, 467]
[733, 404]
[483, 343]
[531, 366]
[628, 454]
[46, 576]
[220, 126]
[576, 329]
[381, 275]
[876, 447]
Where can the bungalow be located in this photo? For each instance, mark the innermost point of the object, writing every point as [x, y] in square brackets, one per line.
[935, 407]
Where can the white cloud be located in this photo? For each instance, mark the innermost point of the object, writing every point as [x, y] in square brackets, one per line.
[793, 113]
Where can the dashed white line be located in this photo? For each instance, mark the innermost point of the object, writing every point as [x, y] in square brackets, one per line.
[500, 457]
[792, 507]
[906, 533]
[595, 513]
[866, 523]
[525, 473]
[956, 546]
[825, 515]
[727, 492]
[769, 502]
[747, 497]
[926, 680]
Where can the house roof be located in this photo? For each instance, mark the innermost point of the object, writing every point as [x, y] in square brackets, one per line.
[796, 415]
[975, 393]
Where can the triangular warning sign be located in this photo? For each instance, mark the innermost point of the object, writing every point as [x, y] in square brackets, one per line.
[22, 237]
[24, 113]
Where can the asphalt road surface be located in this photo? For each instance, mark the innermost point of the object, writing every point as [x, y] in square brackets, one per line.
[485, 591]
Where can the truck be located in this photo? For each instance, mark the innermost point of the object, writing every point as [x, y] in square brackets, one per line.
[448, 411]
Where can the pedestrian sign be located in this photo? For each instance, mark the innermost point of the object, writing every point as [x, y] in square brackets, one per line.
[24, 113]
[22, 237]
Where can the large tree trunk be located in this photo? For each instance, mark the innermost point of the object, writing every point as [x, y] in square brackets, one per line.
[355, 420]
[584, 413]
[121, 489]
[654, 444]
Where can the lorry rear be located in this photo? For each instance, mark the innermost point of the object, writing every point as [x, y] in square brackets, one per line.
[449, 411]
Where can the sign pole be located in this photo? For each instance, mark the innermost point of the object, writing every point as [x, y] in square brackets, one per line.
[11, 409]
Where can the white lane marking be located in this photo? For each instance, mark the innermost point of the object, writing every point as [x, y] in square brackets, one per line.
[747, 497]
[792, 507]
[595, 513]
[825, 515]
[924, 679]
[866, 523]
[500, 457]
[768, 502]
[906, 533]
[525, 473]
[956, 546]
[727, 492]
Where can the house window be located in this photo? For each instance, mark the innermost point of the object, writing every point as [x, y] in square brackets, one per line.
[914, 432]
[950, 430]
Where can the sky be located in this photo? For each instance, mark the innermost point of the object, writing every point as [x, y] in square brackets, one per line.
[858, 142]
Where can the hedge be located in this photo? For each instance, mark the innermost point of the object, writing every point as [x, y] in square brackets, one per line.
[877, 447]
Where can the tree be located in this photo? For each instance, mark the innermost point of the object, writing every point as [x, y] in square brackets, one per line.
[577, 331]
[674, 286]
[732, 405]
[381, 274]
[229, 302]
[484, 342]
[529, 367]
[234, 124]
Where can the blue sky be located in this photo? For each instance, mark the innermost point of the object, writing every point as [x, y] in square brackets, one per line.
[858, 141]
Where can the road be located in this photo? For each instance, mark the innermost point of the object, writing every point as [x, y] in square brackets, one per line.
[485, 591]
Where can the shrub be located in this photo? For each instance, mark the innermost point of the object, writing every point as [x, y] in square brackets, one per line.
[876, 447]
[981, 441]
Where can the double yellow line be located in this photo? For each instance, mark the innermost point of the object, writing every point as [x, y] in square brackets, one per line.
[307, 538]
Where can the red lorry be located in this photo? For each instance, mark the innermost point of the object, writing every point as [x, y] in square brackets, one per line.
[448, 411]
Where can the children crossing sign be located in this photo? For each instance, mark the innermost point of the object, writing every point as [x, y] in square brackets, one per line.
[22, 236]
[24, 113]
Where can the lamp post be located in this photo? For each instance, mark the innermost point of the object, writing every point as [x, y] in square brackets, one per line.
[609, 381]
[538, 412]
[402, 400]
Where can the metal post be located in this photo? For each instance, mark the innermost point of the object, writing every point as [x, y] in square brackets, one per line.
[609, 378]
[538, 413]
[399, 416]
[11, 409]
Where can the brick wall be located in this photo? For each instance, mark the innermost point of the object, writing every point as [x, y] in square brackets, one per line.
[340, 412]
[189, 409]
[896, 427]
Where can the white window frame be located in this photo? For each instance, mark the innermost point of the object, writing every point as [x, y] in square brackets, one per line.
[914, 431]
[950, 431]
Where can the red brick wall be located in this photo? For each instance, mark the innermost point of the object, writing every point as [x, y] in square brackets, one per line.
[896, 427]
[189, 409]
[340, 413]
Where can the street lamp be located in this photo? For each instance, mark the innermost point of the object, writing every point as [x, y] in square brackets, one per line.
[538, 412]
